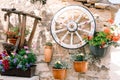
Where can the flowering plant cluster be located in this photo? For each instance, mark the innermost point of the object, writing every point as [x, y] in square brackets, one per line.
[104, 38]
[24, 59]
[13, 32]
[79, 57]
[59, 64]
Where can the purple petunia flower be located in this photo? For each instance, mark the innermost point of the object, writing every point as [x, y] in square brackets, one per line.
[3, 55]
[0, 62]
[14, 60]
[28, 65]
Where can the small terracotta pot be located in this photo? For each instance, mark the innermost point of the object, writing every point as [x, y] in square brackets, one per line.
[12, 40]
[80, 66]
[59, 73]
[48, 53]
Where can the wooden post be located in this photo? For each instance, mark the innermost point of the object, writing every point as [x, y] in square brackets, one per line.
[22, 33]
[33, 32]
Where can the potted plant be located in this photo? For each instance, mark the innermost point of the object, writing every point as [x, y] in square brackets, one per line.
[13, 34]
[101, 41]
[59, 69]
[48, 51]
[18, 64]
[80, 62]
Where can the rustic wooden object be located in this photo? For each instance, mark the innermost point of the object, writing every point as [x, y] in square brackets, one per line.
[22, 37]
[33, 32]
[22, 18]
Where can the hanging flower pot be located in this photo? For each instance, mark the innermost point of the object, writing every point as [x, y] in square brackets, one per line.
[12, 40]
[99, 52]
[59, 70]
[101, 41]
[80, 66]
[48, 52]
[80, 63]
[59, 73]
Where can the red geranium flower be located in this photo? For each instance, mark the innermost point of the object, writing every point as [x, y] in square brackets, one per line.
[0, 57]
[5, 64]
[106, 30]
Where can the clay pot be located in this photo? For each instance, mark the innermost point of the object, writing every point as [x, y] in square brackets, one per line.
[80, 66]
[12, 40]
[59, 73]
[48, 53]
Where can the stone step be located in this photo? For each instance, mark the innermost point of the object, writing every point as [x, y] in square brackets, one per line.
[18, 78]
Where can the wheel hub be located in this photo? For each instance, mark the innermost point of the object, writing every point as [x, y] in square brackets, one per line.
[72, 26]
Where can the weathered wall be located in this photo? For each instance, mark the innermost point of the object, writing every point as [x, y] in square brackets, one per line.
[97, 71]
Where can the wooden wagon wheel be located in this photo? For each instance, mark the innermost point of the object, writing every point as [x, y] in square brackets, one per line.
[70, 24]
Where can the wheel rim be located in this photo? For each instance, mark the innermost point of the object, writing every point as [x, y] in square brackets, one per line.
[70, 24]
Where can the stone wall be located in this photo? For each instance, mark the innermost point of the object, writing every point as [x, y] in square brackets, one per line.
[97, 71]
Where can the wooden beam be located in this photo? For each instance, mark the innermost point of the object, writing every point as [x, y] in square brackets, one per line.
[20, 12]
[33, 32]
[22, 33]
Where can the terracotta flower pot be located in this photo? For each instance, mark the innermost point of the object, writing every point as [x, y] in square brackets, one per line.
[48, 53]
[80, 66]
[12, 40]
[59, 73]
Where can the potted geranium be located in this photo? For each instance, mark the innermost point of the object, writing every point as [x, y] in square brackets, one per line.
[101, 41]
[18, 64]
[13, 34]
[59, 69]
[48, 51]
[80, 63]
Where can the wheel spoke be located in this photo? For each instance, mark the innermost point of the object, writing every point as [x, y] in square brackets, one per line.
[64, 36]
[79, 18]
[78, 36]
[84, 30]
[60, 30]
[71, 40]
[73, 16]
[85, 22]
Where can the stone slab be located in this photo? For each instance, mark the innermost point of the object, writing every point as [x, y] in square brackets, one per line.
[18, 78]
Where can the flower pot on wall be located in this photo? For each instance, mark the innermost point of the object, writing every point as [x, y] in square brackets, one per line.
[48, 53]
[20, 73]
[12, 40]
[80, 66]
[59, 73]
[98, 52]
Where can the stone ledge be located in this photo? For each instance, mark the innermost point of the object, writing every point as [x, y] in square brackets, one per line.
[18, 78]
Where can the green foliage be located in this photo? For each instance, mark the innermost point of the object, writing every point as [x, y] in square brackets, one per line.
[48, 44]
[59, 64]
[23, 59]
[79, 57]
[99, 39]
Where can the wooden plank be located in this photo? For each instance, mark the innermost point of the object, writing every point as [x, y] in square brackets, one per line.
[19, 12]
[23, 27]
[33, 32]
[17, 44]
